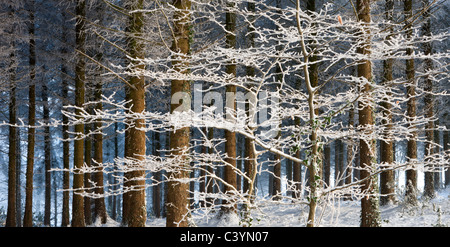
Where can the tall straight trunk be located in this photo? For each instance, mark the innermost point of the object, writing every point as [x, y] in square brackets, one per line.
[411, 153]
[429, 189]
[387, 182]
[446, 141]
[99, 203]
[65, 220]
[177, 192]
[78, 156]
[250, 156]
[11, 214]
[370, 214]
[88, 175]
[114, 181]
[47, 156]
[134, 201]
[28, 216]
[230, 136]
[157, 176]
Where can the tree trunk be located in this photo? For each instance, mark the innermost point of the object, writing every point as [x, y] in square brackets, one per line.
[157, 176]
[250, 156]
[11, 215]
[99, 203]
[78, 157]
[88, 175]
[446, 141]
[47, 156]
[411, 154]
[429, 189]
[387, 182]
[28, 216]
[230, 136]
[370, 214]
[134, 204]
[327, 164]
[177, 192]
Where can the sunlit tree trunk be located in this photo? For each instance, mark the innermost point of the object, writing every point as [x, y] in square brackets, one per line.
[370, 214]
[134, 204]
[177, 192]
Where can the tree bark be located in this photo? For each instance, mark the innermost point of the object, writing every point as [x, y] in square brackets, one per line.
[134, 204]
[429, 189]
[78, 157]
[11, 214]
[47, 156]
[411, 154]
[28, 215]
[230, 136]
[99, 203]
[370, 214]
[387, 182]
[177, 192]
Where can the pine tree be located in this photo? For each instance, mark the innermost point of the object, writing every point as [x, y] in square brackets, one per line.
[28, 215]
[411, 173]
[387, 183]
[370, 214]
[177, 192]
[134, 209]
[78, 156]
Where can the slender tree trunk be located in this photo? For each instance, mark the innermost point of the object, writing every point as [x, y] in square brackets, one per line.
[11, 214]
[88, 175]
[78, 157]
[99, 203]
[411, 173]
[370, 214]
[157, 176]
[114, 181]
[134, 204]
[65, 219]
[230, 136]
[327, 164]
[47, 156]
[12, 155]
[177, 192]
[28, 216]
[387, 182]
[250, 156]
[446, 141]
[429, 189]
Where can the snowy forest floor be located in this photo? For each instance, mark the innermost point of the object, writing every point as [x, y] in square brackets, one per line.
[432, 213]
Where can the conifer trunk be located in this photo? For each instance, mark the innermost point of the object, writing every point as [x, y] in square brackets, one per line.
[387, 183]
[370, 214]
[411, 154]
[28, 215]
[78, 156]
[134, 204]
[177, 192]
[429, 189]
[230, 136]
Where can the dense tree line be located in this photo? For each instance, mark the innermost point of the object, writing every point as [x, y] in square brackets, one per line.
[132, 109]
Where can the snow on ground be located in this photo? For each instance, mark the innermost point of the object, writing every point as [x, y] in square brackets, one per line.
[344, 214]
